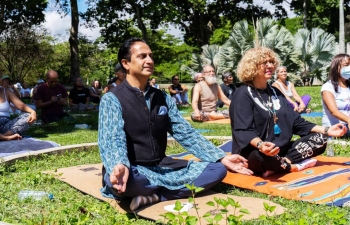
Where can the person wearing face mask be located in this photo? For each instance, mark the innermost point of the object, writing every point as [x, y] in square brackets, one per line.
[205, 96]
[336, 92]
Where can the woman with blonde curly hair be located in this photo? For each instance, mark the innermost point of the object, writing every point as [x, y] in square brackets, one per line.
[263, 123]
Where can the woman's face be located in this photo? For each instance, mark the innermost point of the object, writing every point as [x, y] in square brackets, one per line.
[97, 83]
[266, 69]
[282, 73]
[345, 62]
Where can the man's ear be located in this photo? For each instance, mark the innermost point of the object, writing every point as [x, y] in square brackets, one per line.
[125, 64]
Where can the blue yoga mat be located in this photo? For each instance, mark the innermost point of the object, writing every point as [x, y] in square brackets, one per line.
[312, 114]
[14, 147]
[203, 130]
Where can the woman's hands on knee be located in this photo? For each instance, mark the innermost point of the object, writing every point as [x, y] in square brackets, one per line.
[269, 149]
[337, 130]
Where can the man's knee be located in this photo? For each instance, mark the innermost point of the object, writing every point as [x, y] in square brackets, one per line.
[217, 171]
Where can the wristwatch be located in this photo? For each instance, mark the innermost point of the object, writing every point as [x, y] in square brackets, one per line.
[259, 144]
[326, 131]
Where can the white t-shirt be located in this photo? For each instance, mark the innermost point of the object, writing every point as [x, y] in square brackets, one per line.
[342, 100]
[25, 92]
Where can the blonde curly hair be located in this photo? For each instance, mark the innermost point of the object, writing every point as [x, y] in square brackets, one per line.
[248, 67]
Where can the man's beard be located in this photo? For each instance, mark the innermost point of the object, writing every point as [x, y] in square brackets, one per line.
[210, 80]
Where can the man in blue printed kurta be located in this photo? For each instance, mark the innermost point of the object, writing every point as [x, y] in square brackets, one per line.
[134, 121]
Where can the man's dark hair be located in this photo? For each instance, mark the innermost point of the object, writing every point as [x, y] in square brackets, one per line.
[226, 75]
[124, 50]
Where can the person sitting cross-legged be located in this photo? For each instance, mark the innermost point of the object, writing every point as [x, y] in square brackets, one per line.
[79, 96]
[51, 98]
[263, 123]
[227, 87]
[134, 119]
[12, 129]
[178, 91]
[205, 95]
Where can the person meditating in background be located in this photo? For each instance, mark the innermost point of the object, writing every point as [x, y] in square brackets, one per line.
[134, 119]
[11, 129]
[336, 92]
[178, 91]
[227, 87]
[153, 83]
[95, 92]
[205, 95]
[299, 104]
[263, 123]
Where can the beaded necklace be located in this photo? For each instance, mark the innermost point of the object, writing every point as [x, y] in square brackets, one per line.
[269, 105]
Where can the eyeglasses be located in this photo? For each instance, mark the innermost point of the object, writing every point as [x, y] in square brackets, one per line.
[268, 62]
[176, 79]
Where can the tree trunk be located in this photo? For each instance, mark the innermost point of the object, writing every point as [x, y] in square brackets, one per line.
[2, 17]
[305, 15]
[341, 27]
[139, 20]
[73, 40]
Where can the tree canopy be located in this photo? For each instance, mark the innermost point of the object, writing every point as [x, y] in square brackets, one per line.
[21, 12]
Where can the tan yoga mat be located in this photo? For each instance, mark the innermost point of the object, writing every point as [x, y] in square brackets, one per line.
[88, 179]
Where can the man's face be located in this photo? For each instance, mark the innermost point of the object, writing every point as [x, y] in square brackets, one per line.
[79, 82]
[209, 75]
[25, 85]
[229, 79]
[141, 63]
[121, 75]
[208, 71]
[52, 80]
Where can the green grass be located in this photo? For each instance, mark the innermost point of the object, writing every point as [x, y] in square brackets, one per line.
[72, 207]
[315, 93]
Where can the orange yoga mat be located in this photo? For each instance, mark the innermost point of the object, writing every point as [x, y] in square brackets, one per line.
[328, 182]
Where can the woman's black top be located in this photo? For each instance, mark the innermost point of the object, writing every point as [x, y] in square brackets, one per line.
[251, 119]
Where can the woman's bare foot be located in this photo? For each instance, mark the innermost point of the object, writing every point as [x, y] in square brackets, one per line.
[307, 163]
[268, 173]
[10, 137]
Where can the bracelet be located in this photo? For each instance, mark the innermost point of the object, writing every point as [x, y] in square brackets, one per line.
[259, 144]
[326, 131]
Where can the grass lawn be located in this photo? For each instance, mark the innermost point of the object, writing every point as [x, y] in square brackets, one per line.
[72, 207]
